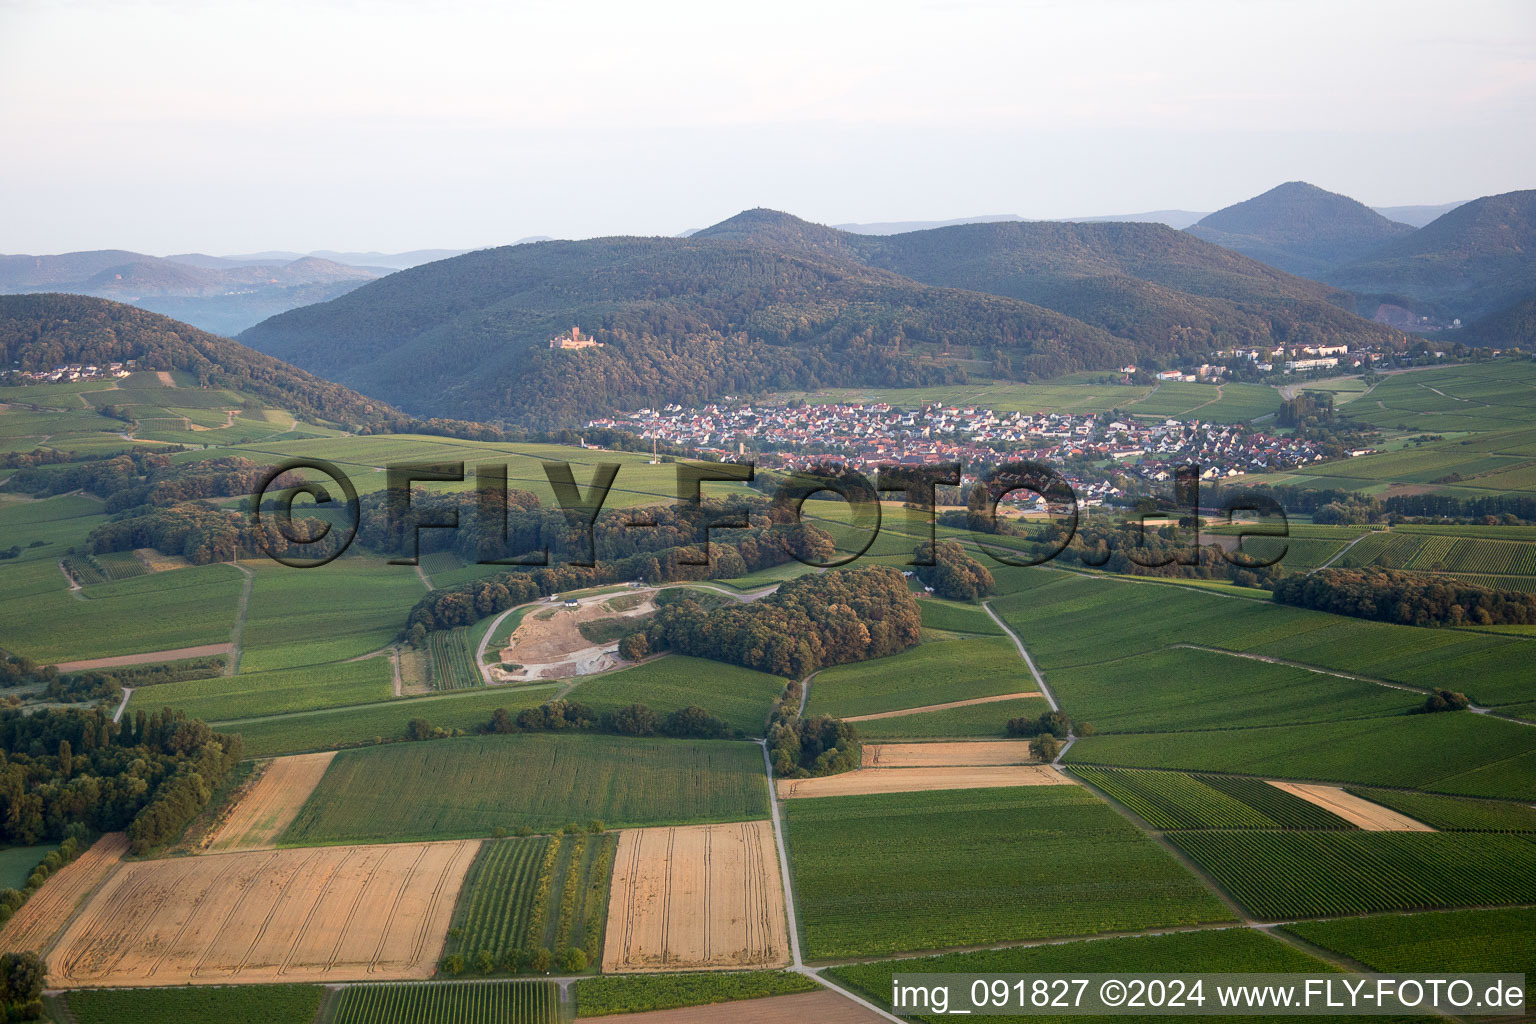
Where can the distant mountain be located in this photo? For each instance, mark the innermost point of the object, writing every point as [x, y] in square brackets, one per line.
[1474, 261]
[387, 260]
[1162, 289]
[1416, 216]
[1511, 326]
[1300, 229]
[1176, 219]
[216, 294]
[766, 301]
[43, 330]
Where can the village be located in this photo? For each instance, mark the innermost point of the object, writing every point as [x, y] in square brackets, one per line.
[863, 436]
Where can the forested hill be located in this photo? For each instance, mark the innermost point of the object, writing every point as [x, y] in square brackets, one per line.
[766, 301]
[1300, 228]
[46, 330]
[1476, 260]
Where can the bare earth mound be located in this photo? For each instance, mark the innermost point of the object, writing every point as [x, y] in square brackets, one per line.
[270, 806]
[939, 755]
[41, 917]
[917, 780]
[1359, 812]
[824, 1007]
[943, 707]
[701, 896]
[334, 913]
[548, 643]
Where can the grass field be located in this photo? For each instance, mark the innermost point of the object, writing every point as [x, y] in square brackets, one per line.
[1172, 800]
[1450, 753]
[17, 863]
[548, 892]
[1458, 941]
[161, 611]
[252, 694]
[348, 607]
[495, 1002]
[1227, 949]
[1276, 875]
[739, 695]
[975, 721]
[975, 866]
[954, 617]
[469, 787]
[931, 673]
[640, 993]
[386, 720]
[203, 1004]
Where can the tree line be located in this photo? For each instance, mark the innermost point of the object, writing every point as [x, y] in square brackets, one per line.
[1410, 599]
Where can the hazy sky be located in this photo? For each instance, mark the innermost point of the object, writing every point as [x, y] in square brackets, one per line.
[231, 127]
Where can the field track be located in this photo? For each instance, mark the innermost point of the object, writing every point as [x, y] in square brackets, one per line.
[270, 806]
[864, 781]
[49, 909]
[322, 914]
[1362, 813]
[824, 1007]
[148, 658]
[696, 897]
[944, 707]
[938, 755]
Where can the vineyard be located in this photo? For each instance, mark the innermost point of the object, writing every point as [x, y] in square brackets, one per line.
[523, 895]
[249, 1004]
[84, 570]
[1276, 875]
[472, 786]
[453, 663]
[1173, 800]
[120, 565]
[1453, 815]
[497, 1002]
[639, 993]
[966, 867]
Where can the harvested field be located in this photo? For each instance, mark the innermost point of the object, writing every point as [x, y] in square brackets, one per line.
[48, 911]
[823, 1007]
[548, 642]
[940, 755]
[1361, 813]
[149, 658]
[332, 913]
[919, 780]
[157, 561]
[266, 810]
[942, 707]
[698, 896]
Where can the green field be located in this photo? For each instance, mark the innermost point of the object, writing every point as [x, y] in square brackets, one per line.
[199, 1004]
[1221, 949]
[954, 617]
[639, 993]
[494, 1002]
[741, 696]
[542, 892]
[340, 610]
[886, 874]
[369, 723]
[469, 787]
[161, 611]
[1170, 800]
[1458, 941]
[18, 862]
[976, 721]
[252, 694]
[1465, 754]
[930, 673]
[1277, 875]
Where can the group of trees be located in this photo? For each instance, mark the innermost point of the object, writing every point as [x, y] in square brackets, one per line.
[810, 622]
[22, 979]
[1406, 598]
[1159, 551]
[202, 533]
[149, 775]
[803, 747]
[690, 722]
[953, 573]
